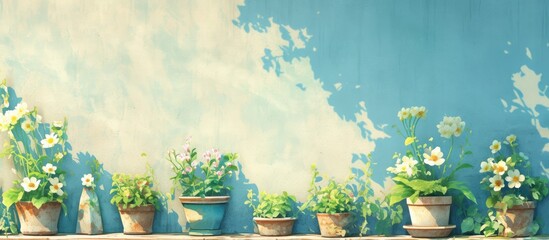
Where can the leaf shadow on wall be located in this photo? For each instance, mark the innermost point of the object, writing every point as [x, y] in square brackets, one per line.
[238, 217]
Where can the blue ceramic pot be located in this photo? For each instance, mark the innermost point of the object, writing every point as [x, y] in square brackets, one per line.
[204, 215]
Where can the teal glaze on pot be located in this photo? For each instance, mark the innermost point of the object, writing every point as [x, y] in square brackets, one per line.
[204, 215]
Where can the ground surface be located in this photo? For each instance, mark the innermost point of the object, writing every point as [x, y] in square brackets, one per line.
[226, 237]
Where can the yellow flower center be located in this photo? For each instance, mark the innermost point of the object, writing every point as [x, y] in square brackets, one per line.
[434, 158]
[420, 114]
[498, 183]
[32, 185]
[55, 187]
[50, 140]
[516, 179]
[458, 130]
[88, 180]
[500, 168]
[50, 169]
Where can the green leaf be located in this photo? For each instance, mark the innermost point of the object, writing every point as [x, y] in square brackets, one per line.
[399, 193]
[12, 196]
[38, 202]
[467, 225]
[463, 189]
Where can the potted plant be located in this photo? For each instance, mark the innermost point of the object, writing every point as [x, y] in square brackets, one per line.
[513, 192]
[89, 219]
[136, 201]
[204, 195]
[423, 178]
[332, 203]
[37, 151]
[272, 213]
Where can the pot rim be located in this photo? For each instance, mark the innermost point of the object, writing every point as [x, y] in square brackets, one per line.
[204, 200]
[332, 214]
[430, 201]
[525, 205]
[275, 219]
[144, 208]
[26, 203]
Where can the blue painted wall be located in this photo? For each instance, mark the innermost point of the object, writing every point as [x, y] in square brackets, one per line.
[284, 83]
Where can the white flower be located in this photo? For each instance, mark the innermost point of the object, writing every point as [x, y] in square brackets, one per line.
[414, 111]
[451, 126]
[49, 168]
[87, 180]
[6, 102]
[408, 160]
[496, 146]
[485, 167]
[459, 127]
[511, 138]
[56, 186]
[433, 157]
[30, 184]
[49, 141]
[21, 109]
[404, 113]
[500, 168]
[496, 182]
[514, 178]
[405, 168]
[12, 117]
[27, 126]
[38, 118]
[58, 124]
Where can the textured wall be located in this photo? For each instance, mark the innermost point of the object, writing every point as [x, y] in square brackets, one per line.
[283, 83]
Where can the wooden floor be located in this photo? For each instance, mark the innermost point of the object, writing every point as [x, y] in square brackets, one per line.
[223, 237]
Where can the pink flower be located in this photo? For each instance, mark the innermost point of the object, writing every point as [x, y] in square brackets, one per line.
[188, 169]
[207, 155]
[187, 147]
[215, 164]
[219, 173]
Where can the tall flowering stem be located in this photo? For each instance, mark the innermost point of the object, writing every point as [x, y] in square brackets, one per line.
[418, 171]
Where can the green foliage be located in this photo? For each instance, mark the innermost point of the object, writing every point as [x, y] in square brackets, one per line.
[33, 145]
[425, 170]
[332, 198]
[368, 205]
[509, 183]
[201, 178]
[271, 205]
[133, 191]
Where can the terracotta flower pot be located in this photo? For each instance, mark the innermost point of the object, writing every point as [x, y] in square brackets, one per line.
[137, 220]
[518, 219]
[204, 214]
[430, 211]
[274, 226]
[333, 225]
[38, 221]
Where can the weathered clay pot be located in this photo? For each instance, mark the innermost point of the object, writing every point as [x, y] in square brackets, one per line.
[333, 225]
[274, 226]
[204, 215]
[518, 219]
[430, 211]
[89, 213]
[38, 221]
[137, 220]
